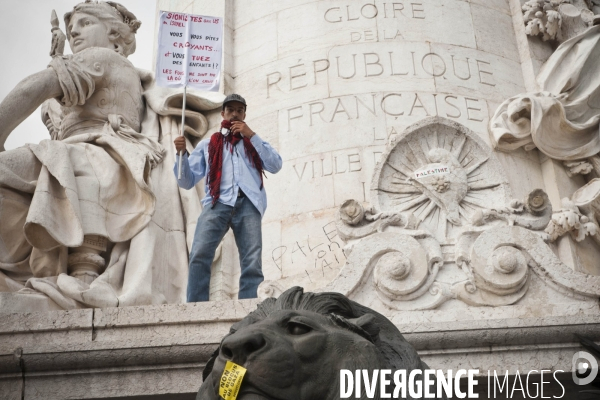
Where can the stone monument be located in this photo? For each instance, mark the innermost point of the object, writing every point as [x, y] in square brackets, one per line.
[94, 217]
[440, 168]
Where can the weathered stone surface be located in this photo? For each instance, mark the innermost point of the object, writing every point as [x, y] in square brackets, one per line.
[338, 89]
[162, 349]
[344, 79]
[105, 353]
[11, 387]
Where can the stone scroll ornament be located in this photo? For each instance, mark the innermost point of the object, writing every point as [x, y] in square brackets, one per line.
[294, 346]
[441, 225]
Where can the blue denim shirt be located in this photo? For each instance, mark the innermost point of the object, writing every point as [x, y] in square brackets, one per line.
[237, 172]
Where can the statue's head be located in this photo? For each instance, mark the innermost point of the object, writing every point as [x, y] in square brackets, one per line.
[101, 24]
[293, 347]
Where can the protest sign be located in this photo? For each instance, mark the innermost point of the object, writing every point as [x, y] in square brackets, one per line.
[189, 54]
[189, 51]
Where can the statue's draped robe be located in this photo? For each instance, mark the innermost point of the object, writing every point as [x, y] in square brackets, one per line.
[562, 119]
[107, 172]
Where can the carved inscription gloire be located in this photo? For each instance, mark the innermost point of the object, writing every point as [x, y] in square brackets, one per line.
[395, 10]
[354, 12]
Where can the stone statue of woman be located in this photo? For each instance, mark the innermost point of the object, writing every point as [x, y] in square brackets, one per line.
[93, 217]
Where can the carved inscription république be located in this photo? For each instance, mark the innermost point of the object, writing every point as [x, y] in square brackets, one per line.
[390, 62]
[393, 63]
[380, 61]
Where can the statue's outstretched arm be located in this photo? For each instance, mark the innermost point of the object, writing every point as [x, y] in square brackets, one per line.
[28, 95]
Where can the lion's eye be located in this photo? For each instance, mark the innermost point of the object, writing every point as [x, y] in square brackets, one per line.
[297, 329]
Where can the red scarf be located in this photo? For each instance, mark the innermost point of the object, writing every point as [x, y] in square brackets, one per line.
[215, 157]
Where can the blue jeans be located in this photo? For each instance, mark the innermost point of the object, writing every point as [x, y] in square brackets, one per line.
[213, 223]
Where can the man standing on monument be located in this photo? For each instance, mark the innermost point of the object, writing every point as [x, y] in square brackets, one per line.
[233, 161]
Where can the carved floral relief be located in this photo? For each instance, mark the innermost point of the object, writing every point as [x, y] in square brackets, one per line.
[440, 201]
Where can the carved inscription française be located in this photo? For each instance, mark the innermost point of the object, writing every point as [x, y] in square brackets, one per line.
[396, 104]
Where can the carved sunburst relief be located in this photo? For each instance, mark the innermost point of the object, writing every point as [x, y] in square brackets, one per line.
[442, 173]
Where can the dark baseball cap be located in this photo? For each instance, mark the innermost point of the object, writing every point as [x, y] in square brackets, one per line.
[234, 97]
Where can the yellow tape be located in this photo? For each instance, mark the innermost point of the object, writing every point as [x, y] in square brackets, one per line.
[231, 380]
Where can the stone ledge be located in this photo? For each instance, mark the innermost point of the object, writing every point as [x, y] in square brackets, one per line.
[503, 336]
[94, 353]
